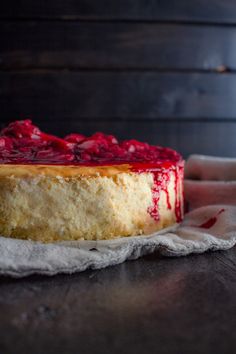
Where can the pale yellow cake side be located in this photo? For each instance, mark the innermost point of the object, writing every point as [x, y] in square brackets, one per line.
[91, 205]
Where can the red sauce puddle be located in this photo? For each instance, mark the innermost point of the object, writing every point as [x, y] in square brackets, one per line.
[211, 222]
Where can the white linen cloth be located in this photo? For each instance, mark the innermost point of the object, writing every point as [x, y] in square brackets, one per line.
[212, 226]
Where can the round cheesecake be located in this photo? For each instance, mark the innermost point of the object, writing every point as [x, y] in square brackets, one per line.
[90, 188]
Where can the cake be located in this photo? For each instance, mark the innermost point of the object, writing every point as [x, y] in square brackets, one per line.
[90, 188]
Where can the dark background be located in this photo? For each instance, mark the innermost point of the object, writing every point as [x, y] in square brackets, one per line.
[160, 71]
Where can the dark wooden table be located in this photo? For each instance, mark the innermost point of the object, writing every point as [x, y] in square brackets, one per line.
[151, 305]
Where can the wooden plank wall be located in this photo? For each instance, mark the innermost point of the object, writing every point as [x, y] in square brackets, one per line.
[161, 71]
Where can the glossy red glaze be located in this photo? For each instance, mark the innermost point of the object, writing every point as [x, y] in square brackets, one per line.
[23, 143]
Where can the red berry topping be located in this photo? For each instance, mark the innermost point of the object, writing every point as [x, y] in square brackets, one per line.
[22, 142]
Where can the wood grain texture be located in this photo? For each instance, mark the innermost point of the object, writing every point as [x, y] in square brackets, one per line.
[110, 54]
[117, 95]
[222, 11]
[154, 304]
[116, 46]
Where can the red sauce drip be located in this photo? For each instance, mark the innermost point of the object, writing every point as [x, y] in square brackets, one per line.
[167, 198]
[160, 183]
[178, 172]
[211, 222]
[23, 143]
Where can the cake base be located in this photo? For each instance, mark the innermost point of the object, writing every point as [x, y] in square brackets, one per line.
[57, 203]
